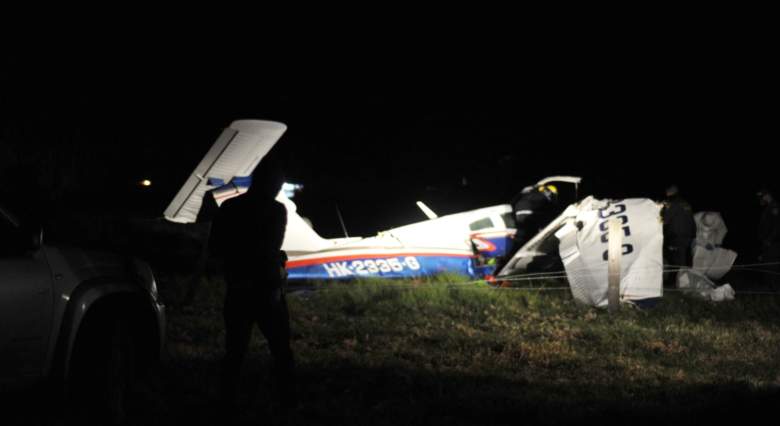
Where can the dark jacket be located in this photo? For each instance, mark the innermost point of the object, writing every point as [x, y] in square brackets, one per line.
[678, 219]
[769, 225]
[533, 201]
[247, 233]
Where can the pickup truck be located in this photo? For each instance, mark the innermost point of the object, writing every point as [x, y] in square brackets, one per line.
[85, 321]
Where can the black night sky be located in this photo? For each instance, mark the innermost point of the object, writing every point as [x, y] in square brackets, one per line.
[373, 133]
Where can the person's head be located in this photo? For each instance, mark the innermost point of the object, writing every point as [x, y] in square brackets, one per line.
[672, 190]
[765, 196]
[267, 179]
[709, 219]
[549, 191]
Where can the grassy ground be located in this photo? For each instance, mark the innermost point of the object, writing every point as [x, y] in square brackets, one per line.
[448, 352]
[439, 353]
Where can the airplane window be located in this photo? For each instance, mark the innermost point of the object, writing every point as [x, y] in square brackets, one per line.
[481, 224]
[509, 220]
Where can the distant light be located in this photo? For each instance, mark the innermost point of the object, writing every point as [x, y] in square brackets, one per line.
[146, 182]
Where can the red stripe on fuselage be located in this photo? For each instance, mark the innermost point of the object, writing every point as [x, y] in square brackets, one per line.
[489, 246]
[320, 260]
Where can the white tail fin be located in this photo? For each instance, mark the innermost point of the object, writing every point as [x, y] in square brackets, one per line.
[299, 237]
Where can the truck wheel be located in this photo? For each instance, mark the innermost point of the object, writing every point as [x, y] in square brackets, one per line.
[102, 371]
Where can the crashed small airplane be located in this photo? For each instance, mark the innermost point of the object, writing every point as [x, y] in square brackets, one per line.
[591, 240]
[462, 243]
[468, 243]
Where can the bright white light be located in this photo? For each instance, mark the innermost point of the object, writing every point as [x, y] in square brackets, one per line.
[290, 188]
[146, 182]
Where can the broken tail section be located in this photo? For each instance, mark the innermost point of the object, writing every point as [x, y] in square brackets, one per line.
[300, 237]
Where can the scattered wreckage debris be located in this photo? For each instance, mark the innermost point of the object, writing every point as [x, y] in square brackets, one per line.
[578, 241]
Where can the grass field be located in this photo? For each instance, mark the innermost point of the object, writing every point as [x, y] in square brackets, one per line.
[448, 352]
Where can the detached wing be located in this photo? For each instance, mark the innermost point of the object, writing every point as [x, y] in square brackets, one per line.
[237, 152]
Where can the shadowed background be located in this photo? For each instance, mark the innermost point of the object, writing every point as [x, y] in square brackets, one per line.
[372, 135]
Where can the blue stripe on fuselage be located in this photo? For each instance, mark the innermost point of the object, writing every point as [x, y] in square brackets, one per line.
[399, 267]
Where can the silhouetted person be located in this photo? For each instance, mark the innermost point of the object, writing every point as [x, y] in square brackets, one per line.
[247, 234]
[679, 231]
[769, 235]
[533, 210]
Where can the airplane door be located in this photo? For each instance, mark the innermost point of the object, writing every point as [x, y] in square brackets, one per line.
[25, 313]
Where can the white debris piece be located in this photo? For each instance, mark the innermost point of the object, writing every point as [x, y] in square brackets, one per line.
[697, 284]
[583, 248]
[709, 258]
